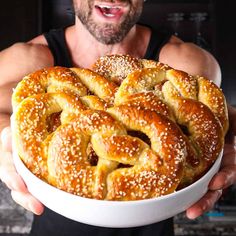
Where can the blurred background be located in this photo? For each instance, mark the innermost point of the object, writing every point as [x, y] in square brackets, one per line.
[208, 23]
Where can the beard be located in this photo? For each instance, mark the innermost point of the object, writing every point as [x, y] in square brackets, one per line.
[108, 33]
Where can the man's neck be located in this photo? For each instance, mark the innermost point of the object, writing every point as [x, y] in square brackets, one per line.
[85, 49]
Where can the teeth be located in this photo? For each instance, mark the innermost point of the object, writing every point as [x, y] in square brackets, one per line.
[109, 15]
[108, 7]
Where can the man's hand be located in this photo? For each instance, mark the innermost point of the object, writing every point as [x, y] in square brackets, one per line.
[12, 179]
[224, 178]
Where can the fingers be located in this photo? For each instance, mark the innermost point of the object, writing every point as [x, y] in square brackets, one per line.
[227, 174]
[8, 174]
[13, 180]
[6, 139]
[205, 204]
[27, 201]
[229, 157]
[224, 178]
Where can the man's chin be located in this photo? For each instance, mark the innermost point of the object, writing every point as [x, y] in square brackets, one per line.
[109, 40]
[108, 37]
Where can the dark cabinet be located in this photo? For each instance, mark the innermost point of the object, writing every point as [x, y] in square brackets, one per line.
[192, 21]
[20, 20]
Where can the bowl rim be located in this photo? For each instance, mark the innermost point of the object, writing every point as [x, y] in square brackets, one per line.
[18, 161]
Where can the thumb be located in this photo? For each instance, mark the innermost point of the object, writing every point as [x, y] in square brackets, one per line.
[6, 139]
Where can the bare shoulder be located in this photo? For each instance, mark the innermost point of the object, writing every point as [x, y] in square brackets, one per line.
[21, 59]
[17, 61]
[191, 58]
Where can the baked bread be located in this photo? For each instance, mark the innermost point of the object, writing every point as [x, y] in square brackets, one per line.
[158, 131]
[116, 67]
[199, 109]
[52, 79]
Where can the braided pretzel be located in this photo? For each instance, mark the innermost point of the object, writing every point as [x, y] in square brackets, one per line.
[65, 161]
[181, 92]
[158, 170]
[203, 90]
[52, 79]
[213, 97]
[68, 165]
[205, 133]
[117, 67]
[57, 79]
[75, 81]
[97, 84]
[150, 99]
[31, 128]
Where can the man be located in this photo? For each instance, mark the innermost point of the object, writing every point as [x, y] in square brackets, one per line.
[101, 27]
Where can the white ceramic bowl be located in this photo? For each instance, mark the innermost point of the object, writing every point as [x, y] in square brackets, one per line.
[114, 213]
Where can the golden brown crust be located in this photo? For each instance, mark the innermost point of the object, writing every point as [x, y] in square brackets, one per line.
[214, 98]
[97, 84]
[160, 168]
[30, 127]
[158, 131]
[52, 79]
[117, 67]
[204, 133]
[198, 105]
[69, 168]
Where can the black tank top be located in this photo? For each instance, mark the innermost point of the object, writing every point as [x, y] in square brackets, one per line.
[51, 223]
[57, 44]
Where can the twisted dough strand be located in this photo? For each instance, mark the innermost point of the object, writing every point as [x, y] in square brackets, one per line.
[160, 169]
[97, 84]
[30, 126]
[52, 79]
[212, 96]
[68, 165]
[117, 67]
[204, 133]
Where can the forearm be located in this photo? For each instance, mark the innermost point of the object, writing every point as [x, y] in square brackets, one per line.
[4, 121]
[230, 137]
[232, 117]
[5, 105]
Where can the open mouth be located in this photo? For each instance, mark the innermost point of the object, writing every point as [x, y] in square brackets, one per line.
[109, 11]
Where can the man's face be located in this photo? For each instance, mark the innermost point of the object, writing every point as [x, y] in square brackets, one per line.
[108, 20]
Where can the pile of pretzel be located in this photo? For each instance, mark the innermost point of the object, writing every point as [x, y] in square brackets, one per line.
[128, 129]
